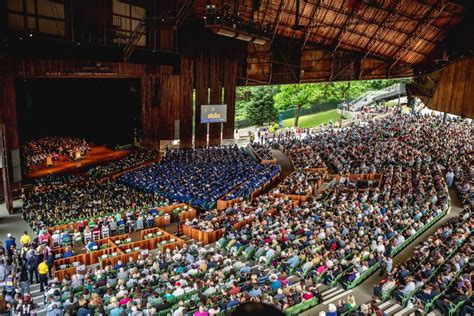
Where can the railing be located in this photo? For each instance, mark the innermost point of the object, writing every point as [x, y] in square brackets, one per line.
[134, 38]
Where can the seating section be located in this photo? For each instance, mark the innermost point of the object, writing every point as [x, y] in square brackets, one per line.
[82, 232]
[439, 273]
[133, 160]
[300, 183]
[263, 151]
[55, 204]
[385, 188]
[201, 176]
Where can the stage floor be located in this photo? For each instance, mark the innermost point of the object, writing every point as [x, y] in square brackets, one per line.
[96, 155]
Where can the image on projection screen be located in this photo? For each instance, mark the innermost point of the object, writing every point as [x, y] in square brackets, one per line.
[214, 113]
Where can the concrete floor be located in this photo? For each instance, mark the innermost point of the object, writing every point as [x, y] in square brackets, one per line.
[13, 224]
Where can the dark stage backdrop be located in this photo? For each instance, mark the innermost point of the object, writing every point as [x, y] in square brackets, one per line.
[104, 111]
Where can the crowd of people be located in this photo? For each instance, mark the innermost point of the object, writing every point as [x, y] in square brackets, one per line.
[286, 248]
[440, 272]
[198, 176]
[35, 152]
[263, 152]
[58, 203]
[299, 183]
[246, 189]
[134, 159]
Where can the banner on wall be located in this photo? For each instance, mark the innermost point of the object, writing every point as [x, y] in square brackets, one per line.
[213, 113]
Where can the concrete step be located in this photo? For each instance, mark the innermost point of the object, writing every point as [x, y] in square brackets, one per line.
[405, 312]
[329, 291]
[340, 295]
[392, 309]
[385, 305]
[333, 293]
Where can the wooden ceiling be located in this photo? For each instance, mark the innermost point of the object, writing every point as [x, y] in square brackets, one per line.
[350, 36]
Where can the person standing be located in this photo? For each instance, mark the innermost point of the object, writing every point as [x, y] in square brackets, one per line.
[43, 274]
[25, 240]
[49, 257]
[9, 242]
[32, 262]
[449, 178]
[3, 271]
[24, 282]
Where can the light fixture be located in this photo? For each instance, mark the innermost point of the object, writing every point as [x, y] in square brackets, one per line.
[225, 32]
[244, 37]
[259, 41]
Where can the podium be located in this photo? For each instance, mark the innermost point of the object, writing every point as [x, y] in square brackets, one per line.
[49, 161]
[77, 154]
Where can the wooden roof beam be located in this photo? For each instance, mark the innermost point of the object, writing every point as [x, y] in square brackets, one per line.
[326, 7]
[277, 18]
[307, 31]
[339, 39]
[409, 18]
[415, 35]
[389, 19]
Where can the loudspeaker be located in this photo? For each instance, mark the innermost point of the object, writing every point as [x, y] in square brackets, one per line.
[157, 94]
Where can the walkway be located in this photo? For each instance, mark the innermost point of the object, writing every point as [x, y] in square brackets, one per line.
[363, 293]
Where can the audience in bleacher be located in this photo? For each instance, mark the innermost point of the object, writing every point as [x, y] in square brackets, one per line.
[284, 249]
[132, 160]
[56, 204]
[263, 151]
[196, 176]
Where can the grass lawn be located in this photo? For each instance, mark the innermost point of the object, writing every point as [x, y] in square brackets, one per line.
[314, 120]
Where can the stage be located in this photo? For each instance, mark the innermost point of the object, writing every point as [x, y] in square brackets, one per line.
[96, 155]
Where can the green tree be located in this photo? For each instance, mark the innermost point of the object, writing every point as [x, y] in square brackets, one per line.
[242, 99]
[260, 109]
[297, 96]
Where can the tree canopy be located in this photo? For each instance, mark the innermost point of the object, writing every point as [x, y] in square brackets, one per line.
[260, 109]
[300, 96]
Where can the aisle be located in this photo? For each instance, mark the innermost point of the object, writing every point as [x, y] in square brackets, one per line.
[13, 224]
[285, 164]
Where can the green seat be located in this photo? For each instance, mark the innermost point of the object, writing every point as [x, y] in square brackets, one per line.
[165, 312]
[454, 309]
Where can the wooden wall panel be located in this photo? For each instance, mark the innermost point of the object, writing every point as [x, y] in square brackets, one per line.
[202, 53]
[186, 103]
[455, 91]
[216, 72]
[8, 101]
[149, 113]
[230, 82]
[201, 79]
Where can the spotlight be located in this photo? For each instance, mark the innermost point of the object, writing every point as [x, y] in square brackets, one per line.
[31, 35]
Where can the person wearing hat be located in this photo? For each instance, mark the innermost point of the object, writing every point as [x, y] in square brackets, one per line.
[25, 306]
